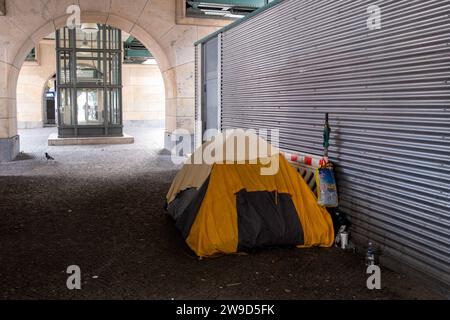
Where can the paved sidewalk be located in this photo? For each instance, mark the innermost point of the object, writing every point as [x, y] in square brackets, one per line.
[101, 207]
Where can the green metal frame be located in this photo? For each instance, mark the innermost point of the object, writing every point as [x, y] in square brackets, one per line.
[131, 50]
[32, 55]
[108, 128]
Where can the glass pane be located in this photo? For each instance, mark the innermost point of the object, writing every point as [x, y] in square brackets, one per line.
[66, 107]
[90, 67]
[64, 65]
[115, 69]
[114, 103]
[108, 38]
[108, 67]
[90, 106]
[118, 39]
[112, 38]
[64, 38]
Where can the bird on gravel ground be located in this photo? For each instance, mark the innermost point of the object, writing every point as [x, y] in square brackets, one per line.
[48, 157]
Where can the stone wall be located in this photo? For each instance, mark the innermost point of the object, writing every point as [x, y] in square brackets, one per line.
[30, 85]
[143, 95]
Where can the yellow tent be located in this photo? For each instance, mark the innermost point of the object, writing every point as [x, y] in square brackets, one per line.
[229, 206]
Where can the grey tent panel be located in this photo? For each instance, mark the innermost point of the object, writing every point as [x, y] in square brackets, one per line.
[267, 219]
[179, 206]
[185, 207]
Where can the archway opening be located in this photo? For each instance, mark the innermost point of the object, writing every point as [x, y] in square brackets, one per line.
[49, 102]
[143, 86]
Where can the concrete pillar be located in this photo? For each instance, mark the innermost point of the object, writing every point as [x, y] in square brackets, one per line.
[180, 94]
[9, 140]
[180, 105]
[2, 8]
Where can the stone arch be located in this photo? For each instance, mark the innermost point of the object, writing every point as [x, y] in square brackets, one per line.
[93, 17]
[154, 23]
[115, 21]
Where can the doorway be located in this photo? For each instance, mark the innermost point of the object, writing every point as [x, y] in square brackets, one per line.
[211, 78]
[49, 103]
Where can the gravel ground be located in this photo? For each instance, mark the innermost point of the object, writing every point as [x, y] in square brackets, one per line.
[101, 207]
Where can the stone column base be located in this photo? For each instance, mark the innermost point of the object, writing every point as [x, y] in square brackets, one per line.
[54, 140]
[9, 148]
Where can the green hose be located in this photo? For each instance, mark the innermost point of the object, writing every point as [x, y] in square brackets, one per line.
[326, 136]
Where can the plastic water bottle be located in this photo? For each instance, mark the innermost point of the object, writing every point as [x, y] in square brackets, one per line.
[370, 256]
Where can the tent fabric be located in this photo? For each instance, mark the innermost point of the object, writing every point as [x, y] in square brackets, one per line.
[196, 170]
[228, 206]
[215, 230]
[185, 221]
[182, 202]
[190, 176]
[267, 219]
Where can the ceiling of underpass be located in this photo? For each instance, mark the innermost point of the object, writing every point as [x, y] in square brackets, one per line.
[223, 9]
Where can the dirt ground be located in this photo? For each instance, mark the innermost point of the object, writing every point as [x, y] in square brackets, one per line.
[101, 208]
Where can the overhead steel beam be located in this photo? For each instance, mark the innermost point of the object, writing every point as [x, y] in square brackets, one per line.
[2, 8]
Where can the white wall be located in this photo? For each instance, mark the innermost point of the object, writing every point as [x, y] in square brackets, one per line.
[143, 95]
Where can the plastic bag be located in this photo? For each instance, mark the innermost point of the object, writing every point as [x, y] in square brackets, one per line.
[327, 188]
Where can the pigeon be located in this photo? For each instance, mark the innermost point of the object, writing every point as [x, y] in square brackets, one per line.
[48, 157]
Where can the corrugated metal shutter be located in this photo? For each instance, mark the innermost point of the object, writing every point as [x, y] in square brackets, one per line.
[198, 98]
[388, 95]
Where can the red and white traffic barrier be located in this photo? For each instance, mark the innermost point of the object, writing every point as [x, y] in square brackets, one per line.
[305, 159]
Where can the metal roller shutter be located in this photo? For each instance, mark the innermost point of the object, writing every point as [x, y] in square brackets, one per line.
[388, 96]
[198, 98]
